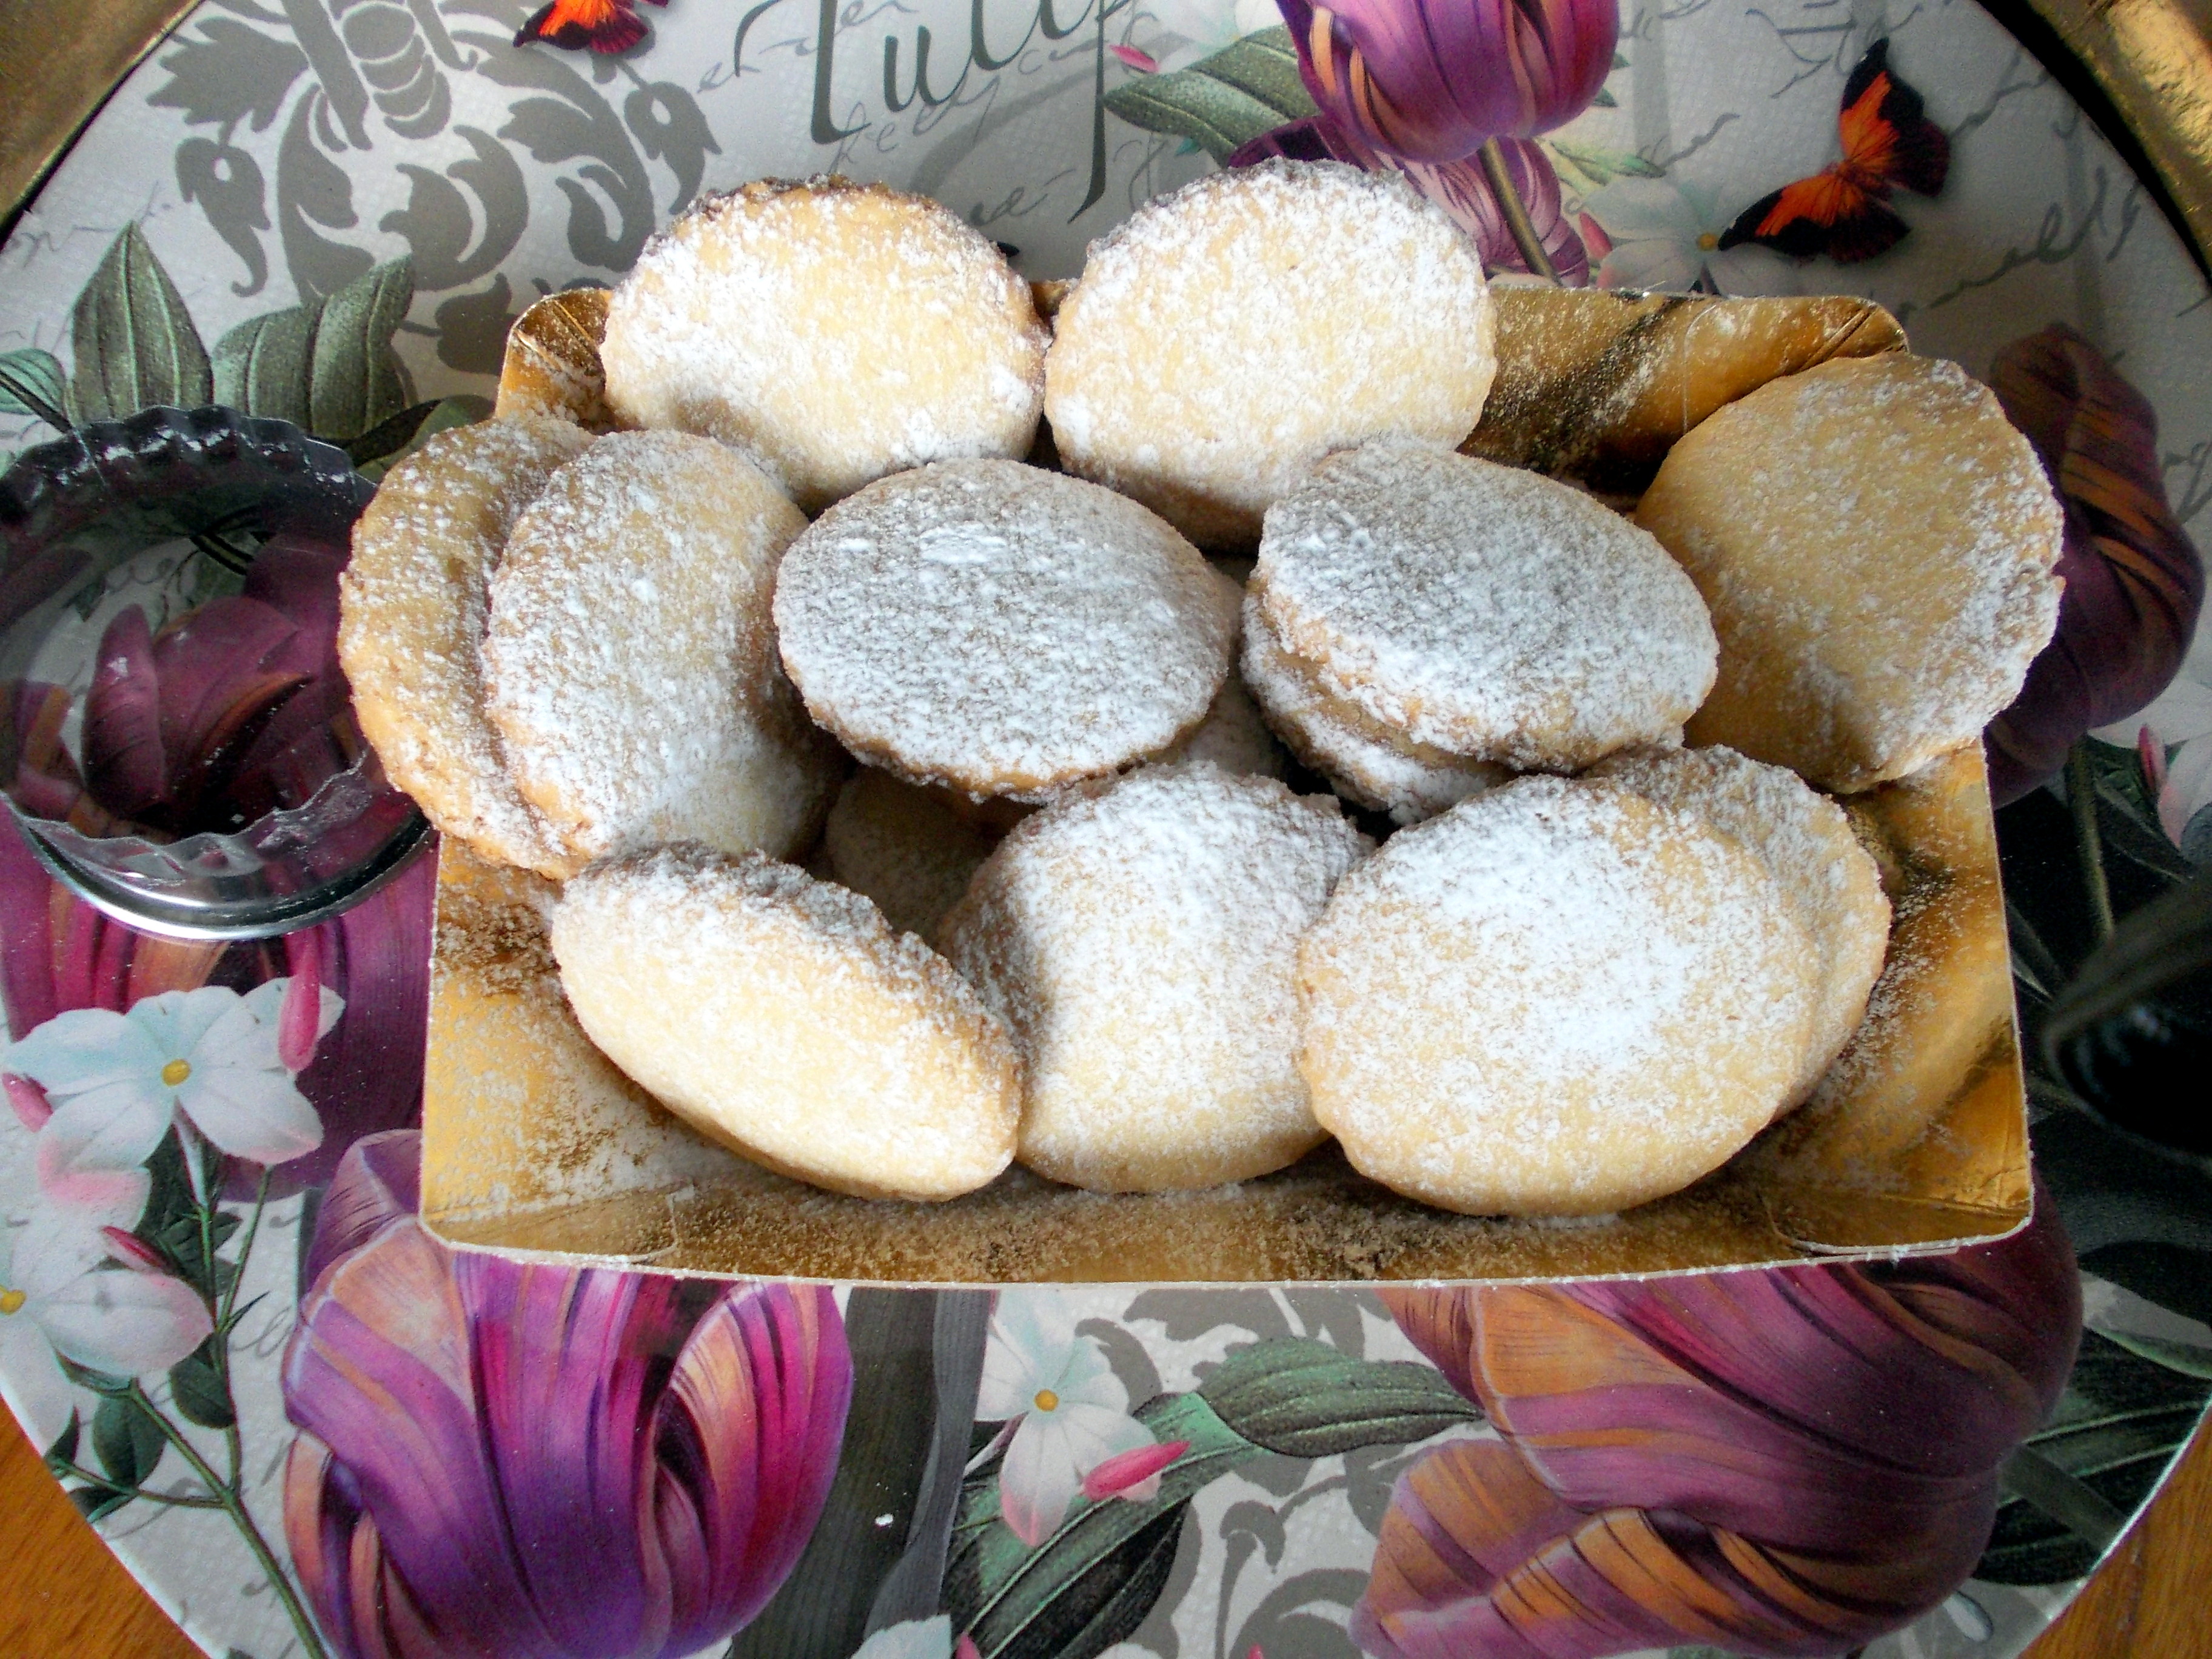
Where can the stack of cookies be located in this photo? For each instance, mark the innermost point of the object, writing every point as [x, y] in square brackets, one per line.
[1260, 769]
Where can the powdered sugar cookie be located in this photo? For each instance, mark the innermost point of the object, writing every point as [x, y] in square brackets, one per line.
[1806, 842]
[1000, 628]
[1226, 337]
[781, 1015]
[1878, 546]
[903, 846]
[630, 665]
[1481, 610]
[834, 331]
[1364, 761]
[411, 622]
[1232, 736]
[1140, 944]
[1556, 999]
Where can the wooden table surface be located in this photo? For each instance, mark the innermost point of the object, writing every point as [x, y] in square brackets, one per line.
[64, 1594]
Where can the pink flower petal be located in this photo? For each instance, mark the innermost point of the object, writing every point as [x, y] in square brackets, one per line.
[1134, 1474]
[1143, 62]
[132, 1251]
[298, 1016]
[32, 1108]
[965, 1648]
[2152, 754]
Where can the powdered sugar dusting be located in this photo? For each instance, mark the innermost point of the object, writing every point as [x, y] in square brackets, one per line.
[1878, 546]
[1365, 762]
[630, 665]
[1805, 841]
[903, 848]
[781, 1014]
[1000, 629]
[1557, 998]
[1484, 609]
[1227, 336]
[411, 621]
[834, 331]
[1140, 944]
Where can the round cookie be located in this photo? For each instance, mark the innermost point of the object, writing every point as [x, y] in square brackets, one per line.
[1878, 546]
[1362, 760]
[1232, 736]
[1556, 999]
[902, 846]
[630, 667]
[780, 1016]
[1226, 337]
[1482, 609]
[1140, 944]
[411, 606]
[1000, 628]
[833, 331]
[1806, 842]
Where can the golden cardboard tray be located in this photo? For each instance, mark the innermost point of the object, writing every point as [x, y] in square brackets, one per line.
[534, 1143]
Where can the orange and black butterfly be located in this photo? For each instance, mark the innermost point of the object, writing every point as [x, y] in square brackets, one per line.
[1841, 211]
[601, 25]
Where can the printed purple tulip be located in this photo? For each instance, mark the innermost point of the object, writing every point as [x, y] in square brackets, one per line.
[2134, 582]
[1434, 80]
[1790, 1462]
[543, 1462]
[1458, 187]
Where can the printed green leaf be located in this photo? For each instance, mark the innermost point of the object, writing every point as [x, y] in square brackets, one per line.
[2127, 814]
[358, 380]
[328, 367]
[97, 1503]
[134, 341]
[1100, 1572]
[916, 1359]
[128, 1442]
[85, 1377]
[1306, 1399]
[2186, 1357]
[2121, 1421]
[263, 366]
[196, 1385]
[64, 1450]
[1249, 87]
[1593, 167]
[33, 383]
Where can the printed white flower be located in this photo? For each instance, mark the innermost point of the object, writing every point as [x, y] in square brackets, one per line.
[1071, 1412]
[2183, 715]
[117, 1081]
[60, 1296]
[1666, 236]
[917, 1639]
[1202, 27]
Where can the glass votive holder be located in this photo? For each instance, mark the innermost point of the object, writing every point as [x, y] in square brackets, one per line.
[177, 742]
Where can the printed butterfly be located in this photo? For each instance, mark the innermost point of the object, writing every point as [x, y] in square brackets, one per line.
[1840, 211]
[601, 25]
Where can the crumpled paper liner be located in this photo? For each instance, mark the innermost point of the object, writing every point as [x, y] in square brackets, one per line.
[1917, 1141]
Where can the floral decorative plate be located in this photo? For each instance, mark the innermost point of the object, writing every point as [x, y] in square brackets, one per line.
[310, 1430]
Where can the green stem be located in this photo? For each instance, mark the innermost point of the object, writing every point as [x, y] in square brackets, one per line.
[1517, 213]
[2088, 843]
[234, 1503]
[62, 1467]
[233, 1445]
[245, 1249]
